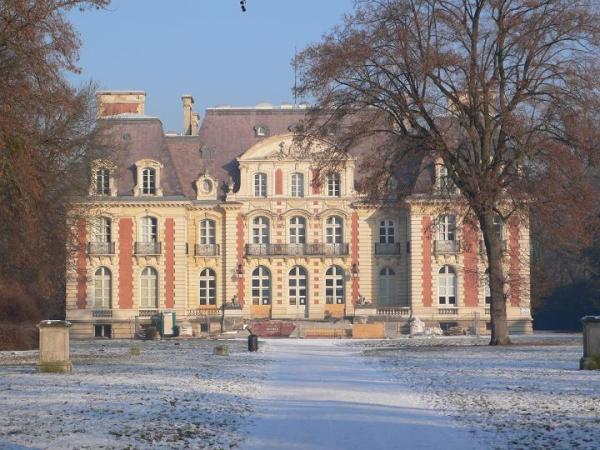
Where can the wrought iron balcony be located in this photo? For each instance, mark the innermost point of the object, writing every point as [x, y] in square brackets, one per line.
[387, 249]
[315, 249]
[445, 247]
[147, 248]
[101, 248]
[148, 312]
[449, 311]
[207, 250]
[102, 313]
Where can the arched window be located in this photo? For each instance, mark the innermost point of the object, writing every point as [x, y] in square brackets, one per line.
[297, 188]
[486, 288]
[102, 182]
[446, 227]
[102, 288]
[334, 230]
[149, 229]
[387, 231]
[260, 184]
[261, 286]
[447, 286]
[149, 288]
[260, 230]
[334, 185]
[334, 285]
[297, 230]
[297, 286]
[102, 230]
[388, 292]
[207, 232]
[208, 287]
[149, 181]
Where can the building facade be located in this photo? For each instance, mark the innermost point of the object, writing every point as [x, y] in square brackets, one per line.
[232, 212]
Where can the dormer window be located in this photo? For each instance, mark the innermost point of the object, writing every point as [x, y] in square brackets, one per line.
[261, 131]
[148, 178]
[445, 183]
[103, 182]
[206, 188]
[148, 181]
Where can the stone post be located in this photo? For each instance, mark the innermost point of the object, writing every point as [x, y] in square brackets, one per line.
[591, 343]
[54, 346]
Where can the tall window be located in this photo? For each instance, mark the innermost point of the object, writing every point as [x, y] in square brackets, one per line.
[334, 230]
[261, 286]
[447, 186]
[149, 288]
[102, 288]
[387, 232]
[207, 232]
[260, 184]
[447, 227]
[297, 286]
[297, 230]
[149, 229]
[102, 182]
[149, 181]
[498, 226]
[334, 185]
[334, 285]
[447, 286]
[102, 230]
[208, 287]
[297, 185]
[387, 287]
[486, 288]
[260, 230]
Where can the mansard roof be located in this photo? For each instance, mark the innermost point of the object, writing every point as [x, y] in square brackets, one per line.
[225, 135]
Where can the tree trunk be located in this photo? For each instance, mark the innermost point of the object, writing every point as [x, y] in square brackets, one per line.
[497, 279]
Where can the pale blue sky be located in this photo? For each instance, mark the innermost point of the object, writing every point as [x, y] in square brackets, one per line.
[207, 48]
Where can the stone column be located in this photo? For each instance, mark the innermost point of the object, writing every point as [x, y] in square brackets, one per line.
[54, 346]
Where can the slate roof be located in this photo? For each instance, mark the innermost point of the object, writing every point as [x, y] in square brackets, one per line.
[225, 134]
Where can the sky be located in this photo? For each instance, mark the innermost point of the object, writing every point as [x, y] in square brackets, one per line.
[207, 48]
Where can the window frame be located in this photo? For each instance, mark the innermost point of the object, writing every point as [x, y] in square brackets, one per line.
[260, 286]
[334, 185]
[447, 284]
[103, 280]
[149, 229]
[385, 236]
[207, 232]
[260, 185]
[334, 230]
[447, 229]
[297, 230]
[149, 181]
[147, 275]
[335, 289]
[207, 287]
[261, 230]
[297, 185]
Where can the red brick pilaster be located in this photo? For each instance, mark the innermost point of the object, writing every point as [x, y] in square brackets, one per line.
[514, 275]
[81, 264]
[278, 182]
[471, 244]
[354, 242]
[169, 263]
[315, 182]
[426, 269]
[125, 264]
[240, 257]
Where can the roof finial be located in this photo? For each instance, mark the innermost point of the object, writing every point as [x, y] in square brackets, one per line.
[243, 5]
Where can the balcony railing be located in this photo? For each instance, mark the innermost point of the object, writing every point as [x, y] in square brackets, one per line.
[147, 312]
[402, 311]
[200, 312]
[317, 249]
[444, 247]
[101, 248]
[147, 248]
[207, 250]
[102, 313]
[387, 249]
[448, 311]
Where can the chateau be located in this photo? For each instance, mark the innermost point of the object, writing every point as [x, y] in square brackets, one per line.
[229, 212]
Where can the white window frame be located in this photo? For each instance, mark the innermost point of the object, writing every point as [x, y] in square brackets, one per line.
[149, 288]
[446, 227]
[148, 181]
[297, 184]
[149, 229]
[334, 230]
[334, 185]
[387, 231]
[298, 286]
[261, 286]
[208, 232]
[102, 230]
[297, 230]
[261, 232]
[207, 287]
[102, 181]
[447, 286]
[334, 286]
[144, 185]
[260, 184]
[103, 288]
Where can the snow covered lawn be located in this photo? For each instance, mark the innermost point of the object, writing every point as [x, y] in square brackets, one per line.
[174, 394]
[528, 396]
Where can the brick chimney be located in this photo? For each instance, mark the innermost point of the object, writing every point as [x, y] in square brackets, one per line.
[111, 103]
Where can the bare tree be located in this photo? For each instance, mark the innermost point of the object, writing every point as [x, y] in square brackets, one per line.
[505, 92]
[47, 131]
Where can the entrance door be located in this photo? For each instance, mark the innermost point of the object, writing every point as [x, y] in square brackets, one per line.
[298, 291]
[388, 294]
